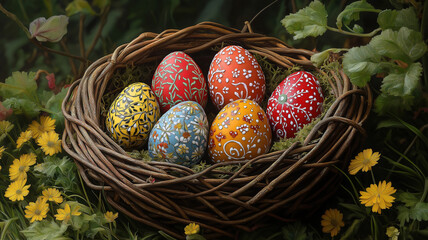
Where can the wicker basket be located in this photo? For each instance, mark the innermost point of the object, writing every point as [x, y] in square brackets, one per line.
[280, 185]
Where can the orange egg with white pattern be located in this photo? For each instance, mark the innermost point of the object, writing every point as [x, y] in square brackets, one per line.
[240, 131]
[235, 74]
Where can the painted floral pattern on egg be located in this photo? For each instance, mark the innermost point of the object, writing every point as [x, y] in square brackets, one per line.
[180, 136]
[177, 79]
[132, 115]
[240, 131]
[295, 102]
[235, 74]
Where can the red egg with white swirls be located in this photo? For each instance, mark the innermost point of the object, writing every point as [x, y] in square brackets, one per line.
[235, 74]
[178, 79]
[296, 101]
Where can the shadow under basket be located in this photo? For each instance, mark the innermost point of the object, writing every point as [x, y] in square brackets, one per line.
[280, 185]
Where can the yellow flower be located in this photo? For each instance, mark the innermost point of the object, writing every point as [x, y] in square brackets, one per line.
[392, 232]
[23, 138]
[52, 194]
[37, 211]
[110, 216]
[20, 167]
[364, 161]
[66, 213]
[378, 196]
[332, 221]
[46, 124]
[17, 190]
[49, 142]
[192, 228]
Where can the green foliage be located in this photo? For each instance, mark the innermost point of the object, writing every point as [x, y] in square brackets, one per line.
[79, 6]
[55, 171]
[406, 45]
[396, 19]
[21, 93]
[45, 230]
[51, 29]
[309, 21]
[352, 13]
[296, 231]
[360, 63]
[403, 82]
[393, 53]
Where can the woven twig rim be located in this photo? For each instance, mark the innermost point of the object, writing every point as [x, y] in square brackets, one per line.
[279, 184]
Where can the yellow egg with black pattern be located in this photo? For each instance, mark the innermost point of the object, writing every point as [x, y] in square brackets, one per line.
[132, 115]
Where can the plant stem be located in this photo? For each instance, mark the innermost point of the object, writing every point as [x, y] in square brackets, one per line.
[73, 66]
[24, 12]
[370, 34]
[424, 26]
[38, 44]
[16, 19]
[10, 155]
[99, 31]
[81, 42]
[11, 139]
[373, 178]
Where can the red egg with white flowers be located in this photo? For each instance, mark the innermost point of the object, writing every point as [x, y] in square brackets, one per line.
[235, 74]
[178, 79]
[296, 101]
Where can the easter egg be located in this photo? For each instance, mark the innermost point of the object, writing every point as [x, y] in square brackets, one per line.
[177, 79]
[239, 131]
[180, 136]
[235, 74]
[295, 102]
[132, 115]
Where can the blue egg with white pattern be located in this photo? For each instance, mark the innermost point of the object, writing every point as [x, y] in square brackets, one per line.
[181, 135]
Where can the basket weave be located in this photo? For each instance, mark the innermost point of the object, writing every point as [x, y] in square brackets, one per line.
[281, 185]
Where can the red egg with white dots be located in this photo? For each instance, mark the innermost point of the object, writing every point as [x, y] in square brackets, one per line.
[235, 74]
[296, 101]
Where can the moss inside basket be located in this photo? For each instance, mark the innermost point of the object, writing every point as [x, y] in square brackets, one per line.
[274, 75]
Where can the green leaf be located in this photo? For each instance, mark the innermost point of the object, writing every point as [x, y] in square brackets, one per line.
[309, 21]
[352, 230]
[419, 211]
[22, 106]
[409, 199]
[352, 13]
[406, 44]
[389, 123]
[19, 85]
[404, 82]
[57, 171]
[403, 215]
[45, 230]
[51, 30]
[318, 59]
[44, 96]
[395, 19]
[79, 6]
[100, 3]
[54, 105]
[386, 103]
[295, 231]
[357, 29]
[360, 63]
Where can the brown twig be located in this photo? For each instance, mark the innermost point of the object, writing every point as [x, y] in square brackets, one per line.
[67, 54]
[16, 19]
[81, 42]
